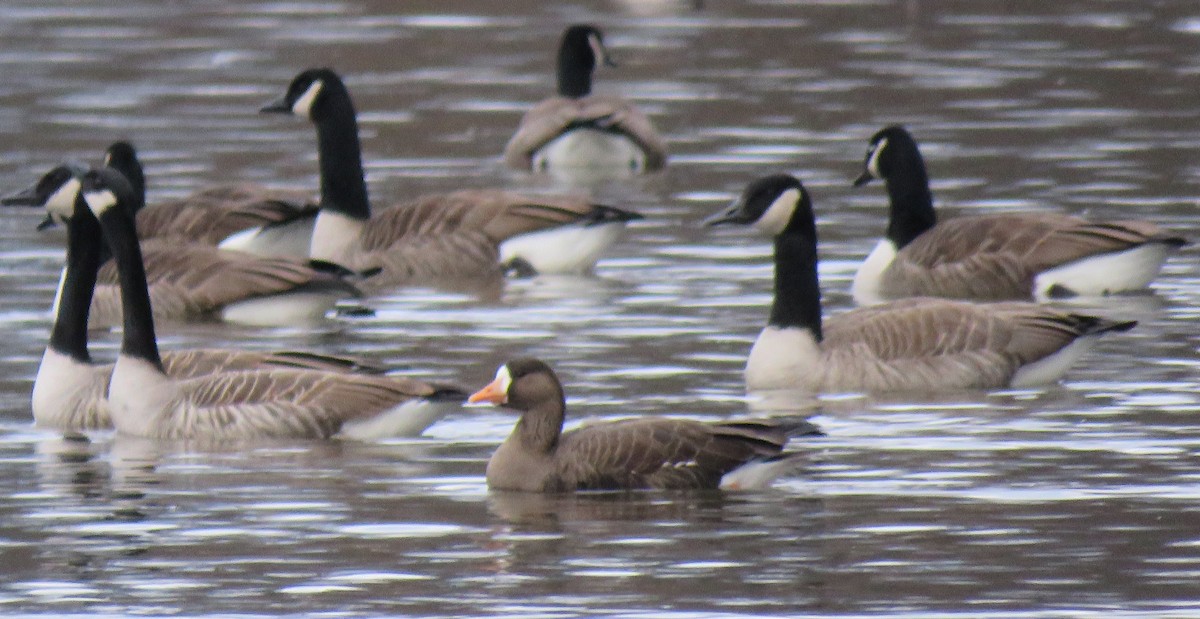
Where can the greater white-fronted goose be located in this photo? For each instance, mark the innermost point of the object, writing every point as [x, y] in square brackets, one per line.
[647, 452]
[1003, 256]
[263, 403]
[921, 344]
[463, 234]
[578, 129]
[191, 282]
[281, 220]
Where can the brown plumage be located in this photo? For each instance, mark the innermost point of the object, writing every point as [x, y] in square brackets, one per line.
[650, 452]
[577, 109]
[1007, 256]
[192, 282]
[210, 215]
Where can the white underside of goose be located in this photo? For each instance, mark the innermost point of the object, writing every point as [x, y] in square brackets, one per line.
[592, 149]
[283, 309]
[573, 248]
[1049, 370]
[865, 288]
[1131, 269]
[408, 419]
[757, 475]
[292, 239]
[63, 389]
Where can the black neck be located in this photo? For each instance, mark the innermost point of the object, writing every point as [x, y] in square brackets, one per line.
[138, 339]
[911, 211]
[575, 71]
[68, 336]
[132, 171]
[343, 186]
[797, 289]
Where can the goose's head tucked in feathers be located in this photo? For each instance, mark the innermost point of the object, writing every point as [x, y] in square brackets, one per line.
[310, 95]
[772, 204]
[581, 47]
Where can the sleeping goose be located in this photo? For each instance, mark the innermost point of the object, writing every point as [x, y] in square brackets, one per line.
[1006, 256]
[463, 234]
[578, 129]
[69, 393]
[646, 452]
[919, 344]
[214, 214]
[195, 282]
[246, 404]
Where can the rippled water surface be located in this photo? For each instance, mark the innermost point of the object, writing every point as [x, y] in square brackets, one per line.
[1082, 498]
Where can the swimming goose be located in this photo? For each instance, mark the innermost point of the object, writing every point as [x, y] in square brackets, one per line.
[215, 214]
[462, 234]
[647, 452]
[196, 282]
[263, 403]
[1006, 256]
[577, 129]
[920, 344]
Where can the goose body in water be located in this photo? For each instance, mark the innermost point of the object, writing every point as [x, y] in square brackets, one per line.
[262, 403]
[646, 452]
[458, 235]
[1003, 256]
[921, 344]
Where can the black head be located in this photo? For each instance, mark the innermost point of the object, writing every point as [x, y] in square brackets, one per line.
[772, 204]
[886, 154]
[105, 189]
[56, 190]
[307, 95]
[581, 47]
[122, 157]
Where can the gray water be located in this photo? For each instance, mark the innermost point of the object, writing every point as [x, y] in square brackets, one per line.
[1077, 499]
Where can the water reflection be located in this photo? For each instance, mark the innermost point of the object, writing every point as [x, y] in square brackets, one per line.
[1075, 499]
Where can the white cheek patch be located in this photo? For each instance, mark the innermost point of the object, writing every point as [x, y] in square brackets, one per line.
[100, 201]
[303, 105]
[873, 160]
[776, 217]
[597, 48]
[61, 203]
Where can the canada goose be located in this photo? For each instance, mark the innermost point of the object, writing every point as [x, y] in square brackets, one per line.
[461, 234]
[1007, 256]
[918, 344]
[194, 282]
[577, 129]
[648, 452]
[263, 403]
[282, 220]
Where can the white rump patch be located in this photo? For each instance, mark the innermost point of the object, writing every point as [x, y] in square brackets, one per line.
[756, 475]
[303, 105]
[590, 152]
[100, 201]
[1132, 269]
[573, 248]
[868, 279]
[282, 310]
[777, 216]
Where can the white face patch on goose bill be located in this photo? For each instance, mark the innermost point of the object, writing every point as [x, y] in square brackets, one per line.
[504, 379]
[100, 201]
[303, 104]
[777, 216]
[61, 203]
[873, 158]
